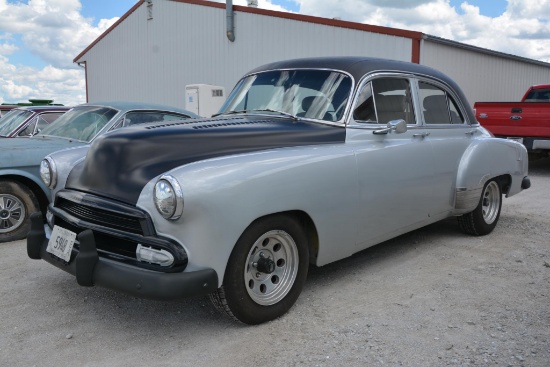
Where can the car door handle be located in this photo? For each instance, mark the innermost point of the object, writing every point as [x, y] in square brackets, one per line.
[515, 117]
[421, 135]
[471, 132]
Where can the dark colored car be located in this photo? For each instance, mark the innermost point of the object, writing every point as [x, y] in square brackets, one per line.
[29, 121]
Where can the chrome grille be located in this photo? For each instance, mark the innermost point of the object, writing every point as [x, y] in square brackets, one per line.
[101, 217]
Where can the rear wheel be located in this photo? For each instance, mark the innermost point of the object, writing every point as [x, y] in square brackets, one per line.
[17, 203]
[485, 216]
[266, 271]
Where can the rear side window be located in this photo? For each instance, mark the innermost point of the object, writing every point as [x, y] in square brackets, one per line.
[383, 100]
[538, 95]
[438, 107]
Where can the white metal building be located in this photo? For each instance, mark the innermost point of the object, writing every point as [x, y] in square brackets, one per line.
[160, 46]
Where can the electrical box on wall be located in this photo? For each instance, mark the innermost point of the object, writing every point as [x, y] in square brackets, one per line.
[204, 99]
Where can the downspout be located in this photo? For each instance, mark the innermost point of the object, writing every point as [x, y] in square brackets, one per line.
[229, 20]
[83, 65]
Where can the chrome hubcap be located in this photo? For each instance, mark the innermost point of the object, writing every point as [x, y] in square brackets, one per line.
[12, 213]
[490, 202]
[271, 267]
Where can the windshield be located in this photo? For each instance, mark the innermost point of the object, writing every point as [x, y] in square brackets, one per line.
[81, 123]
[315, 94]
[11, 121]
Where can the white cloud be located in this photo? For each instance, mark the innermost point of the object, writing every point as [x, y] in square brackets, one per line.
[55, 32]
[21, 83]
[523, 29]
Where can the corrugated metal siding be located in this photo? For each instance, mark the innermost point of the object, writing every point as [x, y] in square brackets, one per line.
[153, 60]
[484, 77]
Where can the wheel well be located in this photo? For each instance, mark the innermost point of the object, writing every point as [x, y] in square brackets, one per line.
[309, 227]
[505, 182]
[37, 190]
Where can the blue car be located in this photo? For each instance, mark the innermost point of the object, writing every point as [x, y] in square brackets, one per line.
[22, 191]
[29, 121]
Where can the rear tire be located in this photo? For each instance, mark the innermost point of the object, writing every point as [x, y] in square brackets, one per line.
[485, 216]
[266, 271]
[17, 203]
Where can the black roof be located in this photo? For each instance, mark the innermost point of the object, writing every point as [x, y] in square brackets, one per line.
[356, 66]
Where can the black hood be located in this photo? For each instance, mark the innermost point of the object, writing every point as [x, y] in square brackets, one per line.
[119, 164]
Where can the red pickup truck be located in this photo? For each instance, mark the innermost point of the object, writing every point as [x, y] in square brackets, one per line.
[527, 121]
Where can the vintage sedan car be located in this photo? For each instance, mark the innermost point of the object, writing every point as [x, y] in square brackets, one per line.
[29, 121]
[22, 191]
[309, 161]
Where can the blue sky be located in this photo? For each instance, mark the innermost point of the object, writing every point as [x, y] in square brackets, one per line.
[42, 37]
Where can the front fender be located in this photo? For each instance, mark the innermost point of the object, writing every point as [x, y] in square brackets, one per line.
[32, 174]
[223, 196]
[65, 160]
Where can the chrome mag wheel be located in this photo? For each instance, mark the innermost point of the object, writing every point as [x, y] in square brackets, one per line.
[12, 213]
[271, 267]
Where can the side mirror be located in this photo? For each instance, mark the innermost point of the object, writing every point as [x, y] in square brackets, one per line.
[396, 126]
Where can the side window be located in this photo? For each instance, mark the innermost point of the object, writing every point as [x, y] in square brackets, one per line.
[29, 129]
[51, 117]
[437, 106]
[46, 119]
[142, 117]
[383, 100]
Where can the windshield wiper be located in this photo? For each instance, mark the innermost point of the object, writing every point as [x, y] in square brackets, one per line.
[229, 113]
[277, 111]
[257, 110]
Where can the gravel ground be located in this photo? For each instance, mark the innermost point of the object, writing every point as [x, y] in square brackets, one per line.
[433, 297]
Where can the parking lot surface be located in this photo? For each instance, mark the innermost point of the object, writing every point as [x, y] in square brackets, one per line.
[432, 297]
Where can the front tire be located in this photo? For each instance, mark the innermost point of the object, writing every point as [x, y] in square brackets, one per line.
[266, 271]
[485, 216]
[17, 203]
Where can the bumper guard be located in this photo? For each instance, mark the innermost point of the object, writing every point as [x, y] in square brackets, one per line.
[90, 269]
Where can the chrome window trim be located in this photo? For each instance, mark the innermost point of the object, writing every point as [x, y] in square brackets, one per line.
[351, 123]
[413, 79]
[341, 122]
[447, 89]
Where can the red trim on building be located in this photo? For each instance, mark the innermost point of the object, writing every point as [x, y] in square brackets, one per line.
[415, 57]
[311, 19]
[414, 36]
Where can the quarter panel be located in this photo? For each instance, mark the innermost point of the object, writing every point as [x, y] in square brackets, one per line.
[486, 158]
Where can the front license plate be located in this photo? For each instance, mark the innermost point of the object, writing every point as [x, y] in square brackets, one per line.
[61, 243]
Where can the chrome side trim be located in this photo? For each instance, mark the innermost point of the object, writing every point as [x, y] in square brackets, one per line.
[467, 200]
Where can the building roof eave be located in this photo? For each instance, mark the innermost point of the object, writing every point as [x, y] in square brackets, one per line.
[486, 51]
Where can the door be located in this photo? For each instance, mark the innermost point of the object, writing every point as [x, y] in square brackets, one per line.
[395, 170]
[450, 135]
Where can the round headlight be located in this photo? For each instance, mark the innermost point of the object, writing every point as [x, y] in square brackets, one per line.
[168, 197]
[48, 172]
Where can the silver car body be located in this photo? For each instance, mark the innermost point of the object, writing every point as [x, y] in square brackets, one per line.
[358, 194]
